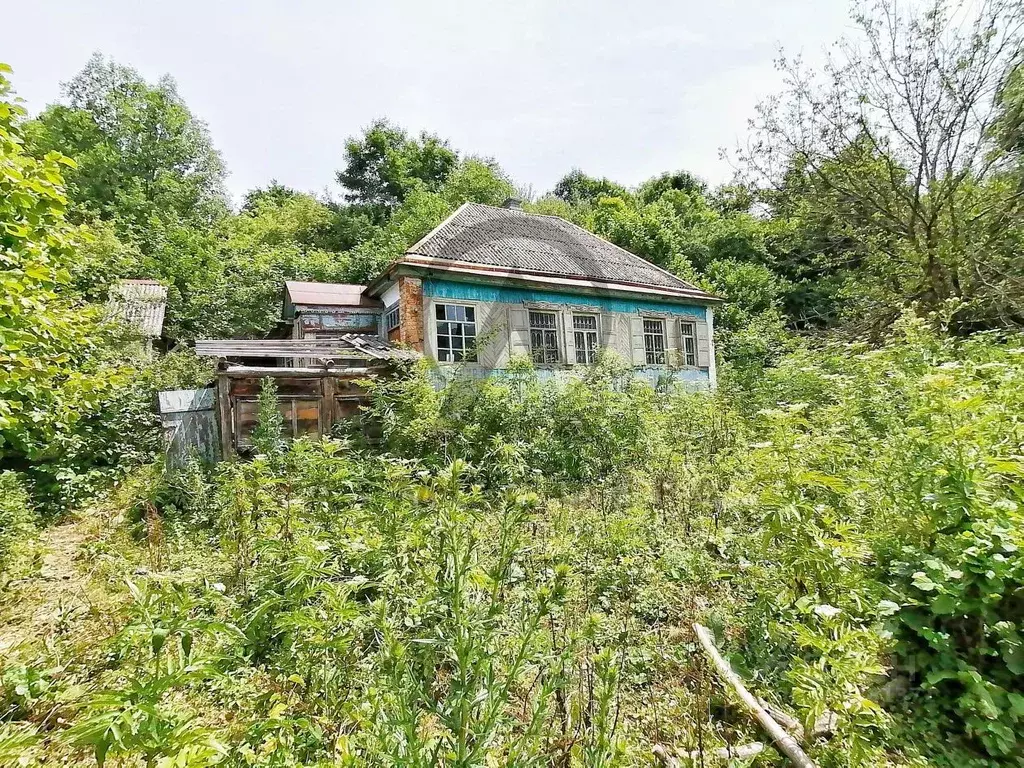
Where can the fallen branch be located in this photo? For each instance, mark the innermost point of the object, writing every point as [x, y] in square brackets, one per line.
[670, 760]
[823, 727]
[786, 743]
[786, 720]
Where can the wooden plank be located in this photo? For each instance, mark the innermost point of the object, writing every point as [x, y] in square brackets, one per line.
[786, 743]
[327, 406]
[224, 417]
[241, 371]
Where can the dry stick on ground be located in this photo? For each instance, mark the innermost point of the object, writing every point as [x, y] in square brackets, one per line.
[786, 743]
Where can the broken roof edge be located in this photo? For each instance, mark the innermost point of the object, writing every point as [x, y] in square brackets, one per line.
[550, 279]
[310, 293]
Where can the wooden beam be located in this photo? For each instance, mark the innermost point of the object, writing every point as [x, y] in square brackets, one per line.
[327, 405]
[224, 417]
[242, 371]
[786, 743]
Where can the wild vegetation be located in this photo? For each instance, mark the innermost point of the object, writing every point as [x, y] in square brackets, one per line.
[511, 574]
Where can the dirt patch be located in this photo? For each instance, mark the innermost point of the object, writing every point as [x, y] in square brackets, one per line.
[52, 593]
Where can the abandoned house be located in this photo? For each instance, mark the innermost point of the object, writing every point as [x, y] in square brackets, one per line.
[486, 286]
[492, 283]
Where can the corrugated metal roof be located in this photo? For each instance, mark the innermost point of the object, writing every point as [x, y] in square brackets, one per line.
[529, 242]
[346, 346]
[328, 294]
[140, 304]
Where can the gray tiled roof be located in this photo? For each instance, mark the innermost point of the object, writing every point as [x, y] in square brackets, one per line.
[529, 242]
[140, 304]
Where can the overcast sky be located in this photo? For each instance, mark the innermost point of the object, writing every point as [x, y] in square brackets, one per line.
[619, 89]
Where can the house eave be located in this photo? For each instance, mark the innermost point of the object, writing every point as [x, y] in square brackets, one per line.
[417, 263]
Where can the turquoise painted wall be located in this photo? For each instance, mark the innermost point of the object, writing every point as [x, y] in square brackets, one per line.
[459, 291]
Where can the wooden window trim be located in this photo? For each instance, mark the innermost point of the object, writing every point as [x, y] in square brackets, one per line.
[585, 332]
[651, 349]
[545, 331]
[689, 356]
[475, 322]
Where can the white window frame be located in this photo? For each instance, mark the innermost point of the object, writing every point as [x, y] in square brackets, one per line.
[450, 351]
[688, 342]
[544, 330]
[589, 355]
[652, 355]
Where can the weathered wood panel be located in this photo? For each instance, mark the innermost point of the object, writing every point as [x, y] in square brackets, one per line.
[310, 405]
[189, 421]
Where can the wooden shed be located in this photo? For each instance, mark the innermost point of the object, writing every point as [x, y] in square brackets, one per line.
[312, 398]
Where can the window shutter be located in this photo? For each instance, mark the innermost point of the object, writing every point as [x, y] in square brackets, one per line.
[703, 344]
[608, 333]
[518, 331]
[673, 343]
[636, 328]
[570, 337]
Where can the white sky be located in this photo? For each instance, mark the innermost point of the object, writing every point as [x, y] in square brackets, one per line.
[619, 89]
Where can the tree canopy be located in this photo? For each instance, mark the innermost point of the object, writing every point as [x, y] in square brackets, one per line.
[140, 154]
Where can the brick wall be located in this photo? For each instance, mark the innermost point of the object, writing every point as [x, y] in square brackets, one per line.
[410, 303]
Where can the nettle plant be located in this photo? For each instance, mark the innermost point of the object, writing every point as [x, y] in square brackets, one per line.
[173, 641]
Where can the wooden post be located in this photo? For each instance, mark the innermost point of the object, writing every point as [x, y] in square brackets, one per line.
[224, 416]
[327, 404]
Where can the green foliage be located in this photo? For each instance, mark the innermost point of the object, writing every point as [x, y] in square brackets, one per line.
[960, 576]
[385, 165]
[173, 639]
[50, 341]
[471, 180]
[266, 437]
[122, 431]
[140, 153]
[576, 187]
[16, 515]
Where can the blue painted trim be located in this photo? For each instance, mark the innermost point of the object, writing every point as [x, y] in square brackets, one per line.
[444, 374]
[460, 291]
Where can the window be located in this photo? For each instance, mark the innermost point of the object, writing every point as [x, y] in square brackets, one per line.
[456, 333]
[688, 332]
[544, 337]
[391, 318]
[584, 328]
[654, 341]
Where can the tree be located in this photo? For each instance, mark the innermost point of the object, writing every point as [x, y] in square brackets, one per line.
[1009, 128]
[50, 370]
[682, 181]
[384, 165]
[472, 180]
[274, 193]
[140, 153]
[576, 187]
[896, 147]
